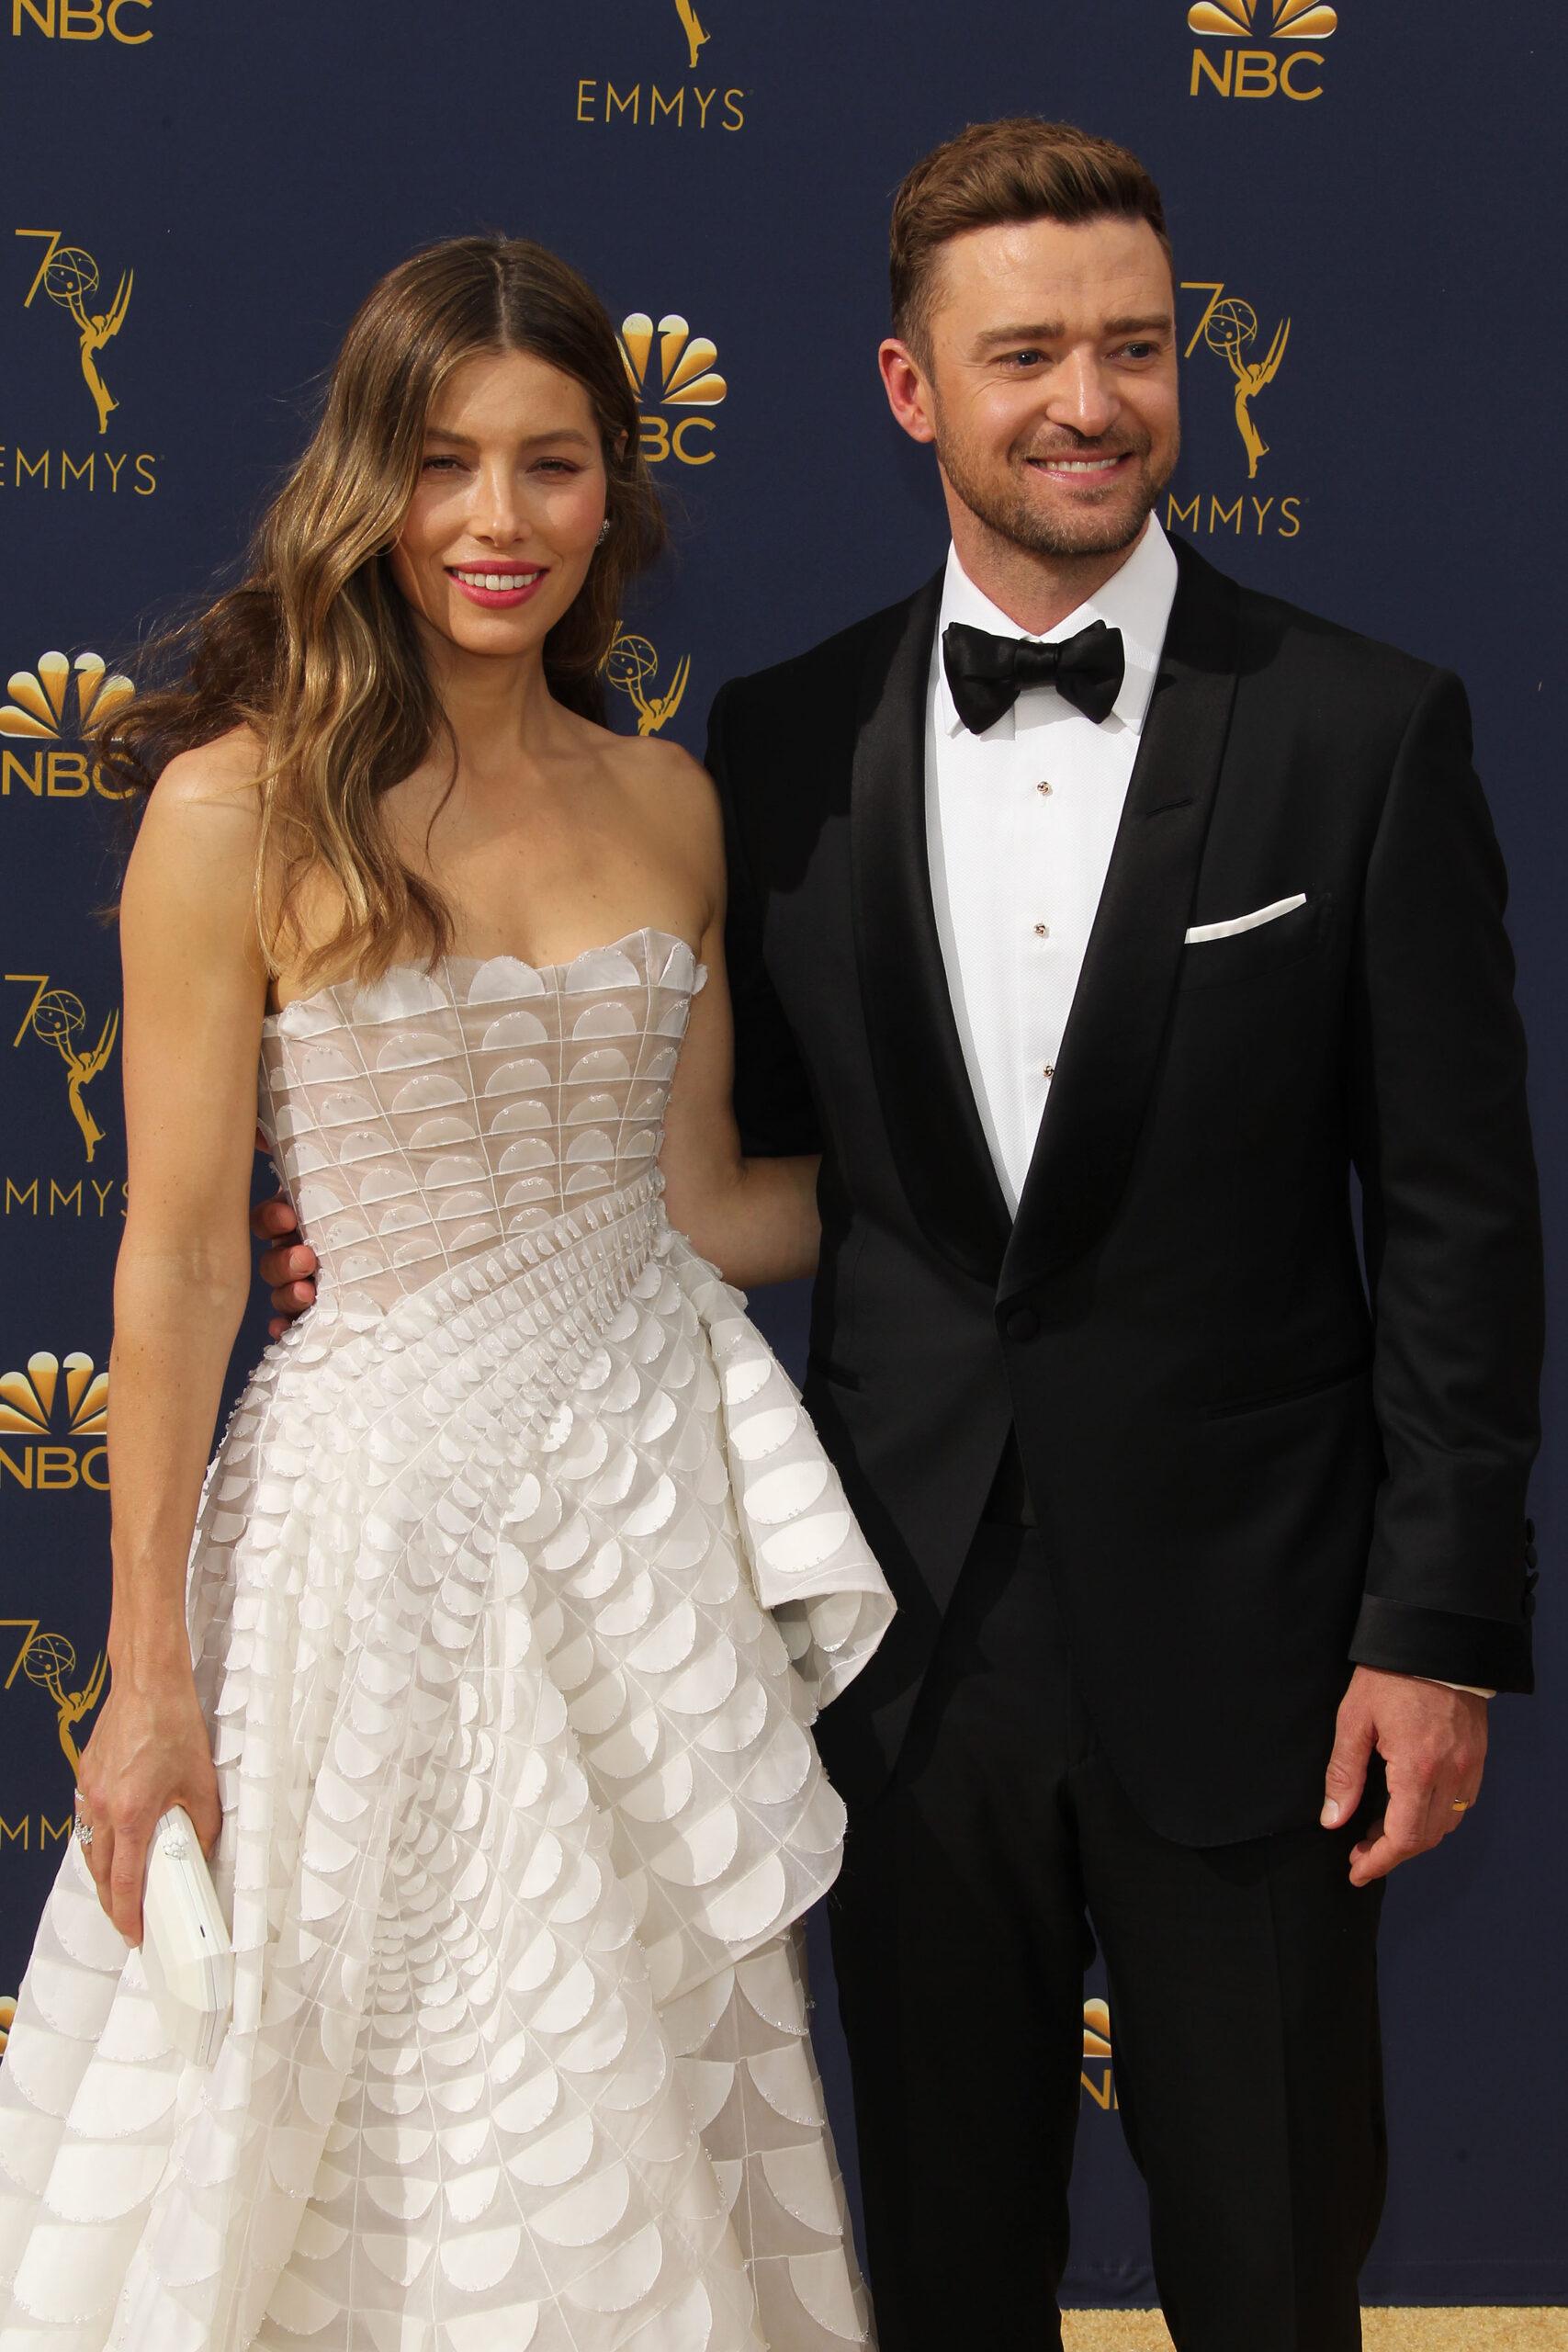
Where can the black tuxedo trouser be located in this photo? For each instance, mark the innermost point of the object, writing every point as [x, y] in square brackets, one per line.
[1243, 2005]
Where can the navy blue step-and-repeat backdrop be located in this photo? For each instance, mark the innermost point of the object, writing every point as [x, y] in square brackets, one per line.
[1365, 203]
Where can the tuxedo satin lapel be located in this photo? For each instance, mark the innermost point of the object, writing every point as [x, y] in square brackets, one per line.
[921, 1077]
[1115, 1031]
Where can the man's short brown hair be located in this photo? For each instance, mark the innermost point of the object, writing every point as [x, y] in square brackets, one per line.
[1019, 169]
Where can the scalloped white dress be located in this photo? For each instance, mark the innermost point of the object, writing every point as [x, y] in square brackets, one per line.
[519, 1576]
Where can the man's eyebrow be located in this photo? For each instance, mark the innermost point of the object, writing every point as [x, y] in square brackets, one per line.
[996, 336]
[1054, 330]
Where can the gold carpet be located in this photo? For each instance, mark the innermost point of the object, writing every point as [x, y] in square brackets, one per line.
[1536, 2330]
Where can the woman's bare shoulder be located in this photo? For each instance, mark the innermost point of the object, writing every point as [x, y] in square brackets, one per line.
[666, 802]
[676, 799]
[667, 777]
[223, 774]
[193, 867]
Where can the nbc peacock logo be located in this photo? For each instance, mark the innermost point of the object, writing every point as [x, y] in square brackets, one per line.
[670, 368]
[54, 1426]
[1290, 19]
[1244, 69]
[49, 711]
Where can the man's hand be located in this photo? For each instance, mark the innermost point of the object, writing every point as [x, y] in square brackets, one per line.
[1433, 1744]
[288, 1266]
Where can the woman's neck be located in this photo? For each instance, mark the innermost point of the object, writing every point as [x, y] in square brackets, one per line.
[502, 716]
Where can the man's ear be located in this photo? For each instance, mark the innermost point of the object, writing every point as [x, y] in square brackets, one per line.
[908, 392]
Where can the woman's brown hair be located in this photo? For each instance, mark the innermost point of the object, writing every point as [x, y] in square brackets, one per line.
[1018, 169]
[315, 649]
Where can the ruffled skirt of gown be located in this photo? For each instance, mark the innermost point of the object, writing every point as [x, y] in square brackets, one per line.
[510, 1609]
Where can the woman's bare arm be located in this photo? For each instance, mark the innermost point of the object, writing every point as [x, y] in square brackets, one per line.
[195, 995]
[756, 1219]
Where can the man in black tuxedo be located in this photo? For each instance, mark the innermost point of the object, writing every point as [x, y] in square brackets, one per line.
[1094, 969]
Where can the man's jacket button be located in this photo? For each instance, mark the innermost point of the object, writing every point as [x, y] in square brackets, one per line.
[1024, 1324]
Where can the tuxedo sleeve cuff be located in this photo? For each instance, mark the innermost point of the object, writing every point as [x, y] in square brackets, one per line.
[1442, 1644]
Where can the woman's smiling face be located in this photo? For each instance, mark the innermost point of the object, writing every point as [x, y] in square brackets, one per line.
[504, 523]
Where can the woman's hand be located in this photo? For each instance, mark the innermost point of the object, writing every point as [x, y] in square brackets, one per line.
[149, 1750]
[756, 1219]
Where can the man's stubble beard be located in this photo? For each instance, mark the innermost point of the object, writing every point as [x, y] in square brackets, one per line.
[1102, 531]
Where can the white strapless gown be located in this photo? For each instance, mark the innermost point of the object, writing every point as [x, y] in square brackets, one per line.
[519, 1574]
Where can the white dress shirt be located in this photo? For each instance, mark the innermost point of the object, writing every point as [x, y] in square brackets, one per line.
[1020, 823]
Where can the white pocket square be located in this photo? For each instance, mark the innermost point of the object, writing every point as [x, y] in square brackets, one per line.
[1245, 922]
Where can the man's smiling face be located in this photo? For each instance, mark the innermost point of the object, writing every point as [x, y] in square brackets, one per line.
[1049, 382]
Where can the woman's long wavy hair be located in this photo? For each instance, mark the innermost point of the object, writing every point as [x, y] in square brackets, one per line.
[317, 649]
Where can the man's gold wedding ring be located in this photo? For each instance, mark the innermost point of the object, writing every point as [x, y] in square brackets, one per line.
[1463, 1804]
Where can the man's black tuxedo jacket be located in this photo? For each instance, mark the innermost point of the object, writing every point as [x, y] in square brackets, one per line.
[1246, 1476]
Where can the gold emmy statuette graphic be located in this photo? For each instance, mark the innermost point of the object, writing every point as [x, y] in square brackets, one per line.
[1229, 326]
[630, 665]
[49, 1661]
[7, 2018]
[59, 1018]
[1238, 20]
[69, 275]
[37, 707]
[691, 26]
[1097, 2076]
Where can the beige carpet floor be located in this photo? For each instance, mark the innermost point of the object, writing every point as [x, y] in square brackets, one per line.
[1386, 2331]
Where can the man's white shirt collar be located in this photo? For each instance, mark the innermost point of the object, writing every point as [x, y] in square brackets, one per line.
[1136, 600]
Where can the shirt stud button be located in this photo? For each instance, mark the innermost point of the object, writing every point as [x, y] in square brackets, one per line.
[1042, 931]
[1050, 1069]
[1044, 788]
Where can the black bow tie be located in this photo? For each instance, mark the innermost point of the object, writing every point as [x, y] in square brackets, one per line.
[988, 673]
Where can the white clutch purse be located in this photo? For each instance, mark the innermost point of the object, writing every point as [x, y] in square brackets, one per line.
[186, 1954]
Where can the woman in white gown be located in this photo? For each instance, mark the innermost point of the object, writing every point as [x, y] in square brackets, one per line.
[519, 1573]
